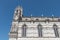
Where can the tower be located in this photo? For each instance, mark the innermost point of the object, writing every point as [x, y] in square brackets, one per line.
[34, 28]
[18, 14]
[16, 19]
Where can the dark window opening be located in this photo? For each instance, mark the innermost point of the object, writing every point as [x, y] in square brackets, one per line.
[24, 30]
[56, 30]
[39, 30]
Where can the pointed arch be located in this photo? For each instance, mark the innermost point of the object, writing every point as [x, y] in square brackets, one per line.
[24, 27]
[55, 27]
[39, 27]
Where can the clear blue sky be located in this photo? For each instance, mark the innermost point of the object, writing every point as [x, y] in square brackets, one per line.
[34, 7]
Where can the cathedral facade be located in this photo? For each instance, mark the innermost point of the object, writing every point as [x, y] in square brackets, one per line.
[34, 28]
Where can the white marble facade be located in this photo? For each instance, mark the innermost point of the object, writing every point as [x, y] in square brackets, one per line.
[34, 28]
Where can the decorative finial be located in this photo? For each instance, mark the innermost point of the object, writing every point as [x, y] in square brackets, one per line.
[42, 15]
[31, 15]
[52, 15]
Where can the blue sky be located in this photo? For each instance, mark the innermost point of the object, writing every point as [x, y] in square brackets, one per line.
[34, 7]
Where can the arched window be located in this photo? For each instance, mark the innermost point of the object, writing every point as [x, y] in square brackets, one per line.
[39, 27]
[56, 30]
[24, 27]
